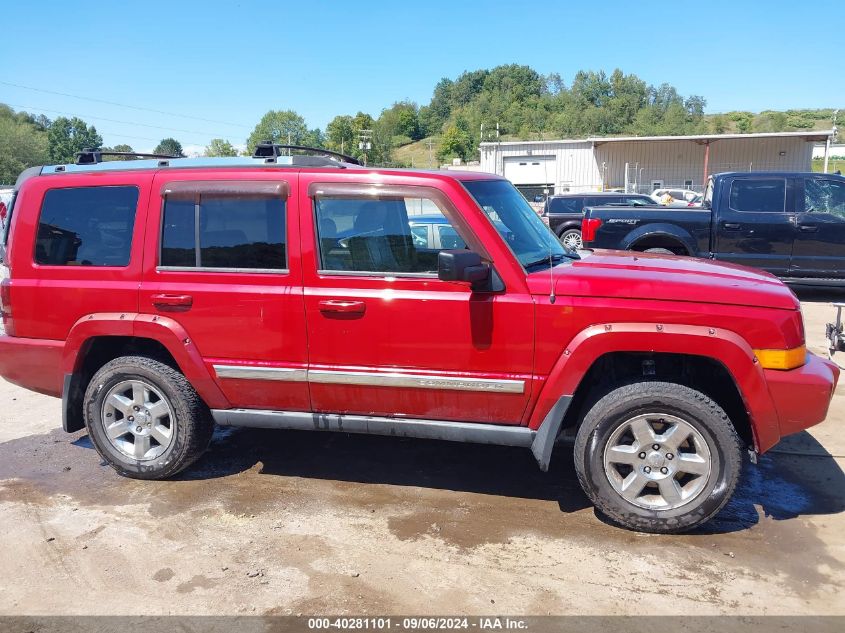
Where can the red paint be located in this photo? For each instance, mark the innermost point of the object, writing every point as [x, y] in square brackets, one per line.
[303, 319]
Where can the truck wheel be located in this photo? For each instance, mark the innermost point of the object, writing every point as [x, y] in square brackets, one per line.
[571, 239]
[662, 251]
[657, 457]
[145, 419]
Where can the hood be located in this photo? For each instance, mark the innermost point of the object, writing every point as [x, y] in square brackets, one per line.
[633, 275]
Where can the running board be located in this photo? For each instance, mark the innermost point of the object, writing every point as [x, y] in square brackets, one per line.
[426, 429]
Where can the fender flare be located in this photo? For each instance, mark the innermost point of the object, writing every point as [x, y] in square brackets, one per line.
[159, 328]
[660, 229]
[724, 346]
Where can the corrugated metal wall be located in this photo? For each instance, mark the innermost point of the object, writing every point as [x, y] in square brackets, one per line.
[574, 167]
[578, 166]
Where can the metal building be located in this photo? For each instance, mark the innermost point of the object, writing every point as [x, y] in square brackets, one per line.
[643, 164]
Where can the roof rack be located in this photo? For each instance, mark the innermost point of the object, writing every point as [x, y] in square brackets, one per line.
[270, 150]
[90, 156]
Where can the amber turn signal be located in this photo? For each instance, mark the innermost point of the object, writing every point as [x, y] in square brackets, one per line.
[782, 358]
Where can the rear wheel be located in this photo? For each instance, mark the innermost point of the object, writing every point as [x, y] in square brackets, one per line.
[657, 457]
[571, 239]
[145, 419]
[662, 251]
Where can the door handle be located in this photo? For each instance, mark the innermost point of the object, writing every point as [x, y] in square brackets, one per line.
[345, 306]
[172, 301]
[731, 226]
[808, 228]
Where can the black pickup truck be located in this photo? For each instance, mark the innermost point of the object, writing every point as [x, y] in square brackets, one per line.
[789, 224]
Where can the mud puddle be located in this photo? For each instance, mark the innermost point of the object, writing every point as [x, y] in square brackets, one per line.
[462, 496]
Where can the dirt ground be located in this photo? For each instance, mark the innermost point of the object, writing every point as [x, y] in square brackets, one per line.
[284, 522]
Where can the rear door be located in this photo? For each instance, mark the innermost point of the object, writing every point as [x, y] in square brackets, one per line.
[755, 223]
[222, 259]
[76, 249]
[819, 249]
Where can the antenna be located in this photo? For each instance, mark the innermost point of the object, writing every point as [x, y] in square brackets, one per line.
[552, 296]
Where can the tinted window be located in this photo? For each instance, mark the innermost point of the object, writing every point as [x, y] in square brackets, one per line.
[638, 201]
[824, 196]
[374, 234]
[86, 226]
[235, 231]
[419, 232]
[566, 205]
[758, 194]
[449, 238]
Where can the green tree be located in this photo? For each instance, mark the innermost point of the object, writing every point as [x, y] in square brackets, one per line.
[742, 120]
[22, 145]
[122, 147]
[170, 147]
[719, 124]
[340, 135]
[279, 126]
[400, 122]
[455, 143]
[66, 137]
[220, 147]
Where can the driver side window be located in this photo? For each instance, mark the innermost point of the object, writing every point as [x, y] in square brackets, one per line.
[381, 234]
[824, 196]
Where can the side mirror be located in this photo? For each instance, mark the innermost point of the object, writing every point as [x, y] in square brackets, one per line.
[463, 265]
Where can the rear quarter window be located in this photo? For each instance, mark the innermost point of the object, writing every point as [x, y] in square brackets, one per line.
[86, 226]
[566, 205]
[760, 195]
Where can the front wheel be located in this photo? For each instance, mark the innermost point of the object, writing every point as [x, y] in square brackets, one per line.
[657, 457]
[145, 419]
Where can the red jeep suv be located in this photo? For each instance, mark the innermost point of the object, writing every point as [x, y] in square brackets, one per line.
[159, 297]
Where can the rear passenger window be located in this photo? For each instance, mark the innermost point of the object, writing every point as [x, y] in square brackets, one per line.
[86, 226]
[566, 205]
[765, 195]
[224, 231]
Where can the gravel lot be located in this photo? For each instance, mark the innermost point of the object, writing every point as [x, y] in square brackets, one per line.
[284, 522]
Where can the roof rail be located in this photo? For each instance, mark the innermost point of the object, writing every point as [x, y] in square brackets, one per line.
[90, 156]
[269, 149]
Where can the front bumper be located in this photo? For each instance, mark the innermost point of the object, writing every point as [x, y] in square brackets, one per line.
[802, 396]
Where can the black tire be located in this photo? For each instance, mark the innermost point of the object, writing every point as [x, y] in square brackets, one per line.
[191, 423]
[661, 251]
[620, 406]
[572, 235]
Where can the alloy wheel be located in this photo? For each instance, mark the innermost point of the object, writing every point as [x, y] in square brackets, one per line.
[138, 420]
[657, 461]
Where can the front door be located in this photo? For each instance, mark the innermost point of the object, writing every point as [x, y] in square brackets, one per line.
[755, 224]
[386, 336]
[224, 265]
[819, 249]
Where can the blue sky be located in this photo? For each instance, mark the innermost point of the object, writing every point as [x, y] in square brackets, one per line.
[229, 62]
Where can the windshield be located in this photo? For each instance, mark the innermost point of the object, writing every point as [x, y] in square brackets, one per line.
[527, 235]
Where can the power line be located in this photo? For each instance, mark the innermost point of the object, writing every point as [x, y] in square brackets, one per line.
[121, 105]
[102, 118]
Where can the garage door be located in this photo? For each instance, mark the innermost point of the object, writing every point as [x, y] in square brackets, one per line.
[530, 170]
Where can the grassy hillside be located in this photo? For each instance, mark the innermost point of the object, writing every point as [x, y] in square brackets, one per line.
[417, 155]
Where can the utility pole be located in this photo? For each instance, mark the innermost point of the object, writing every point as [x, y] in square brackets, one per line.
[365, 144]
[827, 142]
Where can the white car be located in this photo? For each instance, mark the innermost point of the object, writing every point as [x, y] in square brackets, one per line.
[678, 197]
